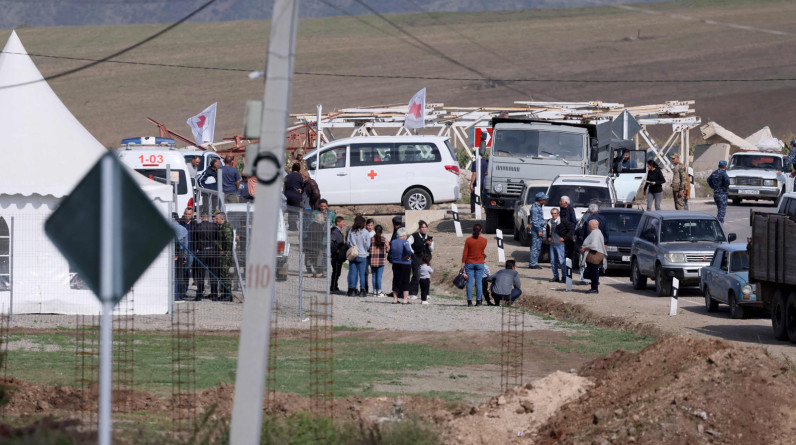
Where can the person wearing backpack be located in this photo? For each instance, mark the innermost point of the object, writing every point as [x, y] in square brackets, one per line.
[719, 181]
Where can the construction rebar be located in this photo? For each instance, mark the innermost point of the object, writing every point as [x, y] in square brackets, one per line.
[270, 379]
[87, 367]
[5, 320]
[124, 355]
[512, 333]
[183, 367]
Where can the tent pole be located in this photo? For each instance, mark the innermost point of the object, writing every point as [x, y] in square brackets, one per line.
[11, 270]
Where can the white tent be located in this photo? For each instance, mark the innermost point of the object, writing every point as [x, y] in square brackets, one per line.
[47, 152]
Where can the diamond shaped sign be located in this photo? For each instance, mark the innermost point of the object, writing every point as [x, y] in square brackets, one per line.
[625, 121]
[108, 229]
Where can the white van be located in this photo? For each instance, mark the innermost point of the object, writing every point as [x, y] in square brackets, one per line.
[150, 156]
[414, 171]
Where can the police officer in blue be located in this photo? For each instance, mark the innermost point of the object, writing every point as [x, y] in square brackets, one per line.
[537, 229]
[790, 161]
[720, 183]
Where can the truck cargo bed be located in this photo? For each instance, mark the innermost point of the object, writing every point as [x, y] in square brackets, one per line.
[772, 252]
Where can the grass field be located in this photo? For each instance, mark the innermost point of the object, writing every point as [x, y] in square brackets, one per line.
[360, 364]
[695, 39]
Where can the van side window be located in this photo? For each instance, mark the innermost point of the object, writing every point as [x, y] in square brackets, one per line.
[724, 265]
[371, 154]
[717, 260]
[417, 153]
[159, 175]
[334, 158]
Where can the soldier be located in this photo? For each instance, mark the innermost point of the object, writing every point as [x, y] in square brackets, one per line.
[790, 161]
[203, 243]
[537, 226]
[224, 249]
[720, 183]
[297, 156]
[679, 182]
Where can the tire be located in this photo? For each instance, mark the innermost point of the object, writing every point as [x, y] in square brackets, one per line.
[492, 221]
[417, 199]
[525, 239]
[736, 312]
[790, 317]
[711, 305]
[516, 234]
[639, 281]
[778, 320]
[663, 286]
[736, 201]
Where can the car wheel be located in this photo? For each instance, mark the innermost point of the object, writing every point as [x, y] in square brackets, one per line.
[736, 312]
[736, 201]
[516, 234]
[790, 317]
[663, 285]
[639, 281]
[711, 305]
[525, 238]
[417, 199]
[778, 321]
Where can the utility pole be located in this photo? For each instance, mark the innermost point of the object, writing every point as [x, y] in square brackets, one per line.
[266, 165]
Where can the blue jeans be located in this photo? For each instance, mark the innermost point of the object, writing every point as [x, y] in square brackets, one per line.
[558, 260]
[474, 271]
[356, 271]
[376, 272]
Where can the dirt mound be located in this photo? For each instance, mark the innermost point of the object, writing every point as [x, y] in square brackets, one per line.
[517, 412]
[681, 390]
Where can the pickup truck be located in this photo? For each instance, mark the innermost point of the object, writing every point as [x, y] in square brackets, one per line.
[756, 176]
[771, 260]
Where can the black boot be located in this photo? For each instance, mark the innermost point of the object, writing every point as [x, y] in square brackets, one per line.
[478, 303]
[350, 292]
[469, 302]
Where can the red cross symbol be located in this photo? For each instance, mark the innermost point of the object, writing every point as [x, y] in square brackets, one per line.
[372, 175]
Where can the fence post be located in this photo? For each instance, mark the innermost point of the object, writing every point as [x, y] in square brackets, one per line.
[301, 261]
[172, 271]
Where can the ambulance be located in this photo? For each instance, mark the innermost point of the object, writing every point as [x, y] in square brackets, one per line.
[150, 156]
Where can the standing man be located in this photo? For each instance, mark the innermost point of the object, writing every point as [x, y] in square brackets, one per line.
[192, 166]
[203, 241]
[224, 255]
[338, 248]
[230, 178]
[180, 256]
[679, 182]
[474, 170]
[188, 222]
[537, 229]
[790, 161]
[208, 180]
[558, 231]
[568, 214]
[719, 181]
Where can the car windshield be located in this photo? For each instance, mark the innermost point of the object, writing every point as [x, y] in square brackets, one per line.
[538, 144]
[691, 230]
[622, 222]
[579, 195]
[531, 197]
[751, 162]
[739, 261]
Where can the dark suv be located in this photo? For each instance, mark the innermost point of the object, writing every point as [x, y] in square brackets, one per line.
[674, 244]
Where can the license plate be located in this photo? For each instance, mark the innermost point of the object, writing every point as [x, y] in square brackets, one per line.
[749, 192]
[626, 258]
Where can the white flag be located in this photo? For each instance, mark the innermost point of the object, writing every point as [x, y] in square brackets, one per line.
[203, 125]
[416, 116]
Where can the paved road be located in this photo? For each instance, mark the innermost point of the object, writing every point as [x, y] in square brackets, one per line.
[737, 218]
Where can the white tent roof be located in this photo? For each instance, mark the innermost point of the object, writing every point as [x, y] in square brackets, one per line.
[49, 149]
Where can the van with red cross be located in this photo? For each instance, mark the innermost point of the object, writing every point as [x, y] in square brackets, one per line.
[150, 156]
[413, 171]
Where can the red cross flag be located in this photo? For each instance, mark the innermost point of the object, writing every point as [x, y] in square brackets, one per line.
[203, 125]
[416, 116]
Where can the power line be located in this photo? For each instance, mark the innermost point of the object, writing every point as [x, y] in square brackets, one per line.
[119, 53]
[442, 78]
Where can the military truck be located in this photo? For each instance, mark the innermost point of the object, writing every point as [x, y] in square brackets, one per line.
[771, 260]
[536, 149]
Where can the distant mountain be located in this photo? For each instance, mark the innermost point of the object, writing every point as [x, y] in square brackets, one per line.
[20, 13]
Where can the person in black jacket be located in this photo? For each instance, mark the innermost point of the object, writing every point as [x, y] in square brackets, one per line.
[653, 188]
[203, 241]
[421, 247]
[337, 248]
[557, 231]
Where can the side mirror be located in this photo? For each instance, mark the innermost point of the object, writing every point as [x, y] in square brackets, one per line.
[731, 237]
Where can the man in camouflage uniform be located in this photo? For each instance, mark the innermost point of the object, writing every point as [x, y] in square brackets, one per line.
[224, 248]
[537, 229]
[679, 182]
[719, 181]
[297, 156]
[790, 161]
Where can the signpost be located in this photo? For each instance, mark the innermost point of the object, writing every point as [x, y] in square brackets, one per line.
[456, 223]
[673, 305]
[501, 250]
[110, 232]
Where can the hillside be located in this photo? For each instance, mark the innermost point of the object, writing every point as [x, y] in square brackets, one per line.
[601, 43]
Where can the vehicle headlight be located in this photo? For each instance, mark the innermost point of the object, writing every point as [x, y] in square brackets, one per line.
[498, 187]
[611, 249]
[732, 181]
[747, 289]
[674, 257]
[769, 183]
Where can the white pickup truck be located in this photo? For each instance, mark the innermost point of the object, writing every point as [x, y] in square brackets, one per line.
[757, 175]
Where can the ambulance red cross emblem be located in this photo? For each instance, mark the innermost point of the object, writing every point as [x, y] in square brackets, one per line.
[372, 175]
